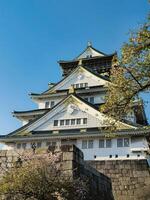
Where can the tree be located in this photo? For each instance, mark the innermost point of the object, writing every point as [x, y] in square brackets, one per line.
[39, 177]
[130, 74]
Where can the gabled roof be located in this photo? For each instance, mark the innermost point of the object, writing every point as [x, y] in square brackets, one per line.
[90, 51]
[82, 67]
[74, 97]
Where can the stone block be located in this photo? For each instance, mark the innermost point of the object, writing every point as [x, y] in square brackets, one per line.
[68, 156]
[67, 165]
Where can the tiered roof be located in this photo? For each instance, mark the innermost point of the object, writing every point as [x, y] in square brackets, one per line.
[30, 131]
[88, 55]
[91, 58]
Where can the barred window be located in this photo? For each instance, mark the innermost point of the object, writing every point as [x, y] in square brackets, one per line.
[84, 144]
[47, 104]
[101, 144]
[67, 121]
[84, 120]
[126, 142]
[120, 142]
[72, 121]
[91, 100]
[78, 121]
[62, 122]
[52, 103]
[90, 144]
[108, 143]
[55, 122]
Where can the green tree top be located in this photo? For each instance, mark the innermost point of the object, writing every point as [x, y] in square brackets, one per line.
[130, 73]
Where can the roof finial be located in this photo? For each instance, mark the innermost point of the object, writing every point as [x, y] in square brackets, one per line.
[71, 90]
[89, 44]
[80, 62]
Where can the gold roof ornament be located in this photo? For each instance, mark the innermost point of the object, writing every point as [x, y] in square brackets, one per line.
[80, 62]
[71, 90]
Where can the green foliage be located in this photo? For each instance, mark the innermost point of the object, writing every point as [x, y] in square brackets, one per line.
[130, 73]
[40, 178]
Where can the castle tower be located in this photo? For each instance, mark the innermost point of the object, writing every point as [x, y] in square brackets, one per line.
[68, 113]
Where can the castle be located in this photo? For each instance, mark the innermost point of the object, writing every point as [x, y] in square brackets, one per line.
[68, 113]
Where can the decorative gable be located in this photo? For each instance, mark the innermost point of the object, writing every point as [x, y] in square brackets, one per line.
[89, 53]
[70, 114]
[81, 77]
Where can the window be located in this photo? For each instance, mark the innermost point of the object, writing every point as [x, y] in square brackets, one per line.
[50, 143]
[87, 144]
[18, 146]
[62, 122]
[77, 85]
[67, 122]
[47, 104]
[52, 103]
[91, 100]
[120, 142]
[86, 84]
[39, 144]
[101, 143]
[24, 145]
[123, 142]
[126, 142]
[84, 144]
[108, 143]
[90, 144]
[72, 121]
[81, 85]
[78, 121]
[84, 120]
[55, 122]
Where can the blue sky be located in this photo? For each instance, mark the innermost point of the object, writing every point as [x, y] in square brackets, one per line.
[35, 34]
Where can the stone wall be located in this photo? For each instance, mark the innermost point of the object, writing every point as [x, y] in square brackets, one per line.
[72, 164]
[130, 178]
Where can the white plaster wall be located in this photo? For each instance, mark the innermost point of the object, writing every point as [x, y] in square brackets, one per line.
[98, 98]
[41, 104]
[49, 125]
[103, 153]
